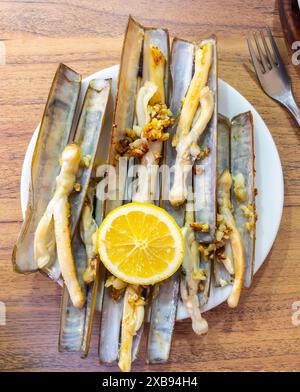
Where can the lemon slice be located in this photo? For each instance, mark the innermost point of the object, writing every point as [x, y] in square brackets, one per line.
[140, 243]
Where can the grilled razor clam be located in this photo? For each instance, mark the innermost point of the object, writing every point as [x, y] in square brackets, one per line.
[164, 303]
[205, 179]
[59, 210]
[153, 91]
[133, 317]
[192, 277]
[76, 325]
[186, 138]
[185, 157]
[243, 192]
[53, 136]
[111, 314]
[182, 59]
[125, 101]
[221, 274]
[96, 288]
[224, 186]
[87, 135]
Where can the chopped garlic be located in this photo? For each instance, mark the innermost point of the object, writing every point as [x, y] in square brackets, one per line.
[77, 187]
[199, 274]
[239, 187]
[203, 153]
[117, 287]
[250, 214]
[200, 226]
[160, 119]
[224, 282]
[86, 160]
[115, 282]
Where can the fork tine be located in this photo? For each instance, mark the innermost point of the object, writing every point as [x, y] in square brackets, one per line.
[261, 55]
[276, 52]
[256, 63]
[270, 58]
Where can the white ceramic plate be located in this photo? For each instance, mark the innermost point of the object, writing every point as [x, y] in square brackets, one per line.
[269, 177]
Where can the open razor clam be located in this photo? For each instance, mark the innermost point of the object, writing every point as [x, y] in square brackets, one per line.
[223, 266]
[75, 325]
[140, 120]
[236, 221]
[53, 136]
[243, 190]
[194, 104]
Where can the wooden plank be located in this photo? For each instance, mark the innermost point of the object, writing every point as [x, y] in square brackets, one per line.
[259, 334]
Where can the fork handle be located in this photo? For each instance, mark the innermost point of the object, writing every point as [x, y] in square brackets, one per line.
[291, 105]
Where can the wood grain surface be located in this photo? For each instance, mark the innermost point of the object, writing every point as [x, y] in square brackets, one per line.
[87, 35]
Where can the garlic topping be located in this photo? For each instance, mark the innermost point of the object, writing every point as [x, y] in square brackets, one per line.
[239, 187]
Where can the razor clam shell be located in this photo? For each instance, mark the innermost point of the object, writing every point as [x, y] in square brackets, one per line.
[96, 288]
[72, 319]
[53, 136]
[100, 293]
[123, 118]
[89, 316]
[136, 343]
[205, 183]
[99, 215]
[127, 83]
[160, 39]
[182, 58]
[87, 135]
[163, 317]
[101, 273]
[221, 274]
[164, 305]
[125, 99]
[110, 327]
[242, 161]
[76, 324]
[223, 145]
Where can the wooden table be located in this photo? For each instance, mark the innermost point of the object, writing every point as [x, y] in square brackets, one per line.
[87, 35]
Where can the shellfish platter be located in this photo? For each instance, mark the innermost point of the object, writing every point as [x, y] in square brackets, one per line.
[147, 194]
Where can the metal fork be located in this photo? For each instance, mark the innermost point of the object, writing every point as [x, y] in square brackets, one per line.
[272, 73]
